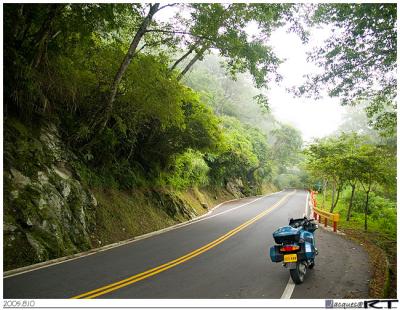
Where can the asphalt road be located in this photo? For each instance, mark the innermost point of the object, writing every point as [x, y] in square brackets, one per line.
[223, 255]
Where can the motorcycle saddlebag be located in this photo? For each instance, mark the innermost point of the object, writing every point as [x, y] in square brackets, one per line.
[286, 234]
[276, 257]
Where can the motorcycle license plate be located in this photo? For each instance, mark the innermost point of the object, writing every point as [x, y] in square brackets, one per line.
[290, 258]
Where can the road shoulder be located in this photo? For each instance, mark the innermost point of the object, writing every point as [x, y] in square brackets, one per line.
[341, 269]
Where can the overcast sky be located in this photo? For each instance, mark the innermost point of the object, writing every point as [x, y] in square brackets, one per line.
[315, 118]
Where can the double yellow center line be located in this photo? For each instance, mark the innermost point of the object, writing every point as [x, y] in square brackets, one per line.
[151, 272]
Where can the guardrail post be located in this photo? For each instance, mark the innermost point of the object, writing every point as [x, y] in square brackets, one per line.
[327, 216]
[335, 221]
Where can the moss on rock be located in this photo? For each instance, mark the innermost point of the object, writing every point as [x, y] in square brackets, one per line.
[46, 211]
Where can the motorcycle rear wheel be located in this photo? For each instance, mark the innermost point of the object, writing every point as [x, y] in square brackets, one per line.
[298, 273]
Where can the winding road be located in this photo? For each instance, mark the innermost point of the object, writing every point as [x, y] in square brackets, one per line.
[222, 255]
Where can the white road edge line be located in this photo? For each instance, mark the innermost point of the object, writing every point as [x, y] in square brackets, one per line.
[287, 293]
[307, 209]
[56, 261]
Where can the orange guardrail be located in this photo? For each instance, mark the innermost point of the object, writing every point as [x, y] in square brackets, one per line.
[321, 214]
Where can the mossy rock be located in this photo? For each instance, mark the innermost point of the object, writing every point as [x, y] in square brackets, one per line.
[46, 211]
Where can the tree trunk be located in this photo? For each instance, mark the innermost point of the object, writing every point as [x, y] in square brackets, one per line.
[125, 63]
[324, 184]
[333, 195]
[337, 198]
[353, 188]
[366, 212]
[182, 58]
[42, 36]
[250, 173]
[192, 62]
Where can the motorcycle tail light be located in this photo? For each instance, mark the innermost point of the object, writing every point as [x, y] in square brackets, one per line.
[289, 248]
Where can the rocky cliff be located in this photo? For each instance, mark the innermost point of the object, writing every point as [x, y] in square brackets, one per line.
[47, 212]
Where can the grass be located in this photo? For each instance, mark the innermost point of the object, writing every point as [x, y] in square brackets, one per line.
[378, 242]
[121, 215]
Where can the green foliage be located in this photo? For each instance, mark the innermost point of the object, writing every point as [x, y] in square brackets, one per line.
[155, 96]
[187, 170]
[48, 45]
[230, 97]
[359, 59]
[62, 59]
[335, 158]
[235, 155]
[382, 213]
[286, 146]
[224, 27]
[352, 159]
[378, 203]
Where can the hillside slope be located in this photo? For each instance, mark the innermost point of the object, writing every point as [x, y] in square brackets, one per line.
[49, 212]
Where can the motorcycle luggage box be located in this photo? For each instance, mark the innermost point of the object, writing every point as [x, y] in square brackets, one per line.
[275, 255]
[286, 234]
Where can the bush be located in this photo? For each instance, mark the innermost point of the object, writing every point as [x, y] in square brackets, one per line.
[376, 203]
[235, 156]
[382, 213]
[187, 170]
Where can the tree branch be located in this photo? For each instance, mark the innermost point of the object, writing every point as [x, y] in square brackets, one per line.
[183, 57]
[192, 62]
[178, 32]
[167, 5]
[132, 51]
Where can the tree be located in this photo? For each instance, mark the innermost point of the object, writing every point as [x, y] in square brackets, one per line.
[39, 35]
[223, 27]
[325, 159]
[366, 164]
[353, 159]
[121, 108]
[286, 145]
[351, 144]
[210, 26]
[374, 164]
[263, 152]
[234, 156]
[153, 9]
[359, 59]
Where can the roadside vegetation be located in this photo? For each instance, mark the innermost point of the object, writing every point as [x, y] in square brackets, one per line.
[111, 77]
[356, 178]
[379, 241]
[355, 169]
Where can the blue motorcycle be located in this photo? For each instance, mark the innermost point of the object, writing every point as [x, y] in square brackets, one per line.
[295, 246]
